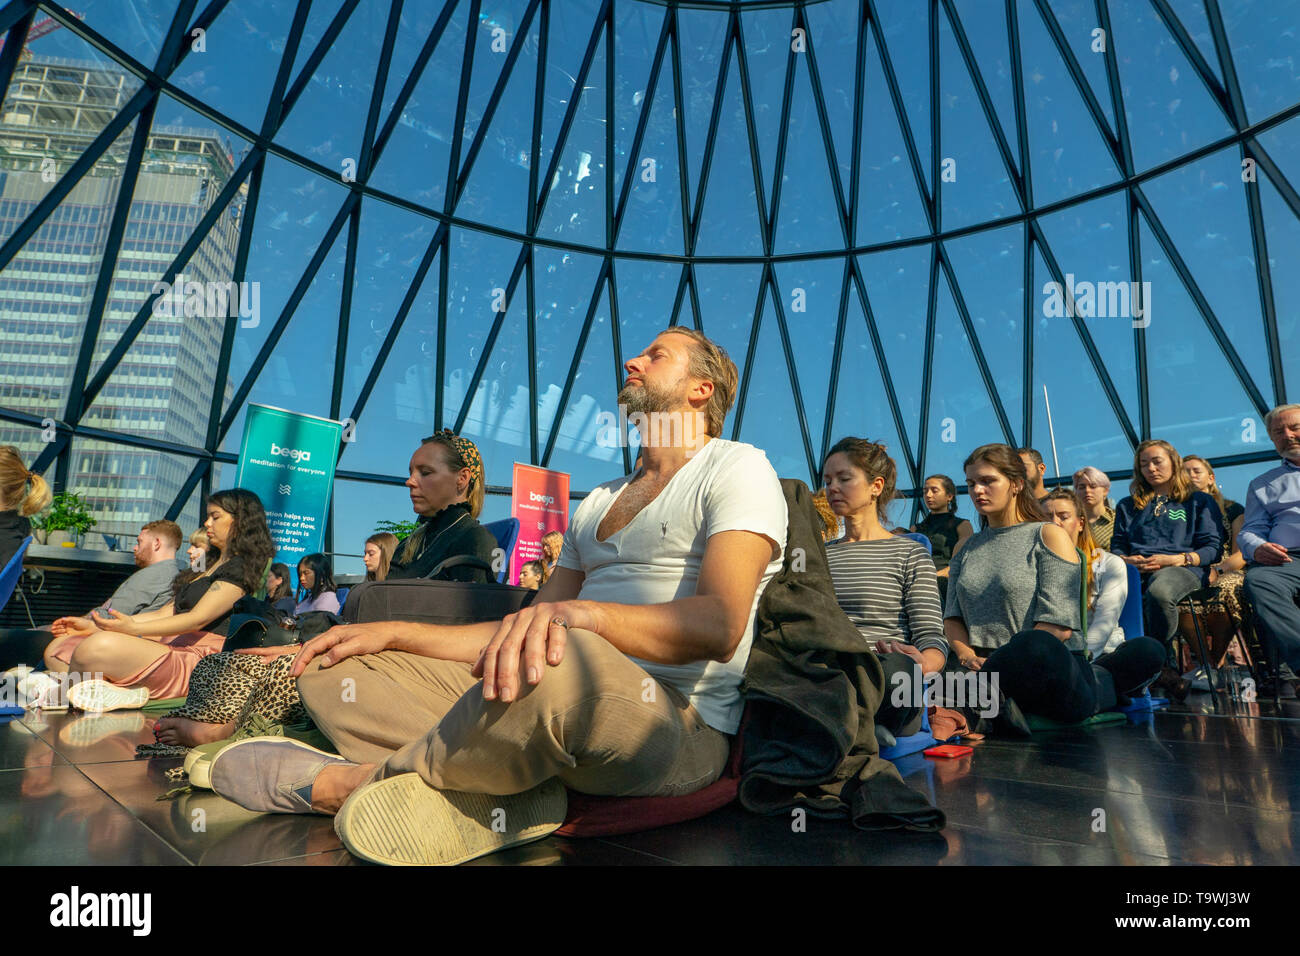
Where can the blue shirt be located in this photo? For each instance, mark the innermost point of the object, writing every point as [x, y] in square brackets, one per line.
[1272, 510]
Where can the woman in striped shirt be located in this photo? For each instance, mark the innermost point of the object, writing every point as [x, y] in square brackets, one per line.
[884, 582]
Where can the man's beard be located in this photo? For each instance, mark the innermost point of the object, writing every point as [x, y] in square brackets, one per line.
[648, 399]
[140, 562]
[1291, 452]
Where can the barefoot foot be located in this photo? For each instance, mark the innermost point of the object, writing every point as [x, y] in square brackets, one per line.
[183, 732]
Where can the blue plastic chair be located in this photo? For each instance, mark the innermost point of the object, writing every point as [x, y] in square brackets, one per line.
[9, 576]
[506, 531]
[342, 594]
[920, 539]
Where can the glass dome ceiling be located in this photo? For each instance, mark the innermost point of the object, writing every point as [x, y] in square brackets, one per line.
[469, 213]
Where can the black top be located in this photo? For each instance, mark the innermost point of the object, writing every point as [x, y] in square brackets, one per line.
[13, 529]
[941, 528]
[1231, 512]
[231, 571]
[450, 532]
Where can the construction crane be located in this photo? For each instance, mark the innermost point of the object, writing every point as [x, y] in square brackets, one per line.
[41, 28]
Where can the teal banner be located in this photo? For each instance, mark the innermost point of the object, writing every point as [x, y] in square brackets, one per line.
[287, 459]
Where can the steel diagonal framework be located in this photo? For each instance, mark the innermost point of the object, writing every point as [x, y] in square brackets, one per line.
[863, 19]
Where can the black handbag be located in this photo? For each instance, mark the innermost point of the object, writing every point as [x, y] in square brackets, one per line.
[433, 602]
[257, 623]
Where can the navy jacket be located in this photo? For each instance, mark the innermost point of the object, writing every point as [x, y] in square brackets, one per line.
[1191, 525]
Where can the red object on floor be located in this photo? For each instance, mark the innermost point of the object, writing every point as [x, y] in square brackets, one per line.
[593, 816]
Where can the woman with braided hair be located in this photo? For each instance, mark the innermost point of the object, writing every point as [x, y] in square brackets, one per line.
[237, 690]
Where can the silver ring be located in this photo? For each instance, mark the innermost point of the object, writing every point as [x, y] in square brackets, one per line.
[561, 622]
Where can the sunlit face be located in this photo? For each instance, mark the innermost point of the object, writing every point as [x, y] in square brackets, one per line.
[936, 495]
[434, 485]
[848, 490]
[1285, 433]
[1156, 466]
[658, 380]
[551, 549]
[1200, 476]
[146, 542]
[219, 524]
[991, 492]
[1064, 516]
[197, 555]
[529, 578]
[1092, 494]
[371, 557]
[1032, 469]
[306, 577]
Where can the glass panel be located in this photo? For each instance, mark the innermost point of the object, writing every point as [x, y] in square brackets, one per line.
[1084, 424]
[327, 122]
[422, 138]
[400, 410]
[581, 447]
[1283, 231]
[250, 33]
[810, 291]
[890, 205]
[137, 27]
[1191, 14]
[906, 33]
[861, 403]
[989, 267]
[987, 36]
[898, 287]
[728, 295]
[1262, 36]
[1077, 19]
[572, 25]
[975, 187]
[1189, 357]
[729, 223]
[30, 440]
[646, 291]
[636, 36]
[294, 213]
[652, 218]
[1169, 110]
[834, 40]
[767, 52]
[575, 196]
[770, 422]
[391, 244]
[808, 217]
[700, 35]
[1090, 242]
[319, 17]
[566, 282]
[187, 164]
[1202, 208]
[961, 416]
[358, 507]
[1282, 143]
[126, 487]
[1067, 154]
[498, 420]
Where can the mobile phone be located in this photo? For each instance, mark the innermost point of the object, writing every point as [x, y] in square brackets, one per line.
[949, 750]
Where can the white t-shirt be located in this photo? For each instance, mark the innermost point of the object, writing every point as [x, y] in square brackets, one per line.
[655, 558]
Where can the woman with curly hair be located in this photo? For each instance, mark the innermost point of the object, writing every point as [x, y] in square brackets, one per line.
[151, 655]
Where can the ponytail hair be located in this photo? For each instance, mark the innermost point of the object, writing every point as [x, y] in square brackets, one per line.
[1007, 460]
[25, 492]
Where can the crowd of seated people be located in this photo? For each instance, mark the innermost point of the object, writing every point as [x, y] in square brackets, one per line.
[655, 585]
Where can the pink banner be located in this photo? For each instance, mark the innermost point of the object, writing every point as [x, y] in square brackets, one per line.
[540, 500]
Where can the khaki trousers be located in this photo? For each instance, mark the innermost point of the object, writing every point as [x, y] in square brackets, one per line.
[597, 721]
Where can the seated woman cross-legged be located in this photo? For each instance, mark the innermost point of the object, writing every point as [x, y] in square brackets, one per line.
[152, 655]
[1171, 534]
[228, 689]
[1014, 606]
[885, 583]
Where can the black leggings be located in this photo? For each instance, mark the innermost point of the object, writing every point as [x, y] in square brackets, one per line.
[1038, 672]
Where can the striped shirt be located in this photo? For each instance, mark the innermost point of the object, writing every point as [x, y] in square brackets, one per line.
[888, 589]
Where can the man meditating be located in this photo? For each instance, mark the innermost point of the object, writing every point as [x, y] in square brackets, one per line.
[621, 679]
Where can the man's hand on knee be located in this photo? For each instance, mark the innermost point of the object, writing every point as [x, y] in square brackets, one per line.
[1271, 554]
[525, 643]
[343, 641]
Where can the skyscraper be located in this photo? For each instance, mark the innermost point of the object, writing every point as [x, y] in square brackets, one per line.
[163, 386]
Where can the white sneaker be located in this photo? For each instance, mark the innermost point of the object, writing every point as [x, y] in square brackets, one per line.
[40, 691]
[97, 696]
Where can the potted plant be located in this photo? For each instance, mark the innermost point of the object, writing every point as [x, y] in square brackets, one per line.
[401, 529]
[67, 521]
[38, 529]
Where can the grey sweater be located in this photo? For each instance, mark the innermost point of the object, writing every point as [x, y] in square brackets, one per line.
[1004, 580]
[148, 589]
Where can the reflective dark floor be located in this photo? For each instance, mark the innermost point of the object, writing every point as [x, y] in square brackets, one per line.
[1211, 782]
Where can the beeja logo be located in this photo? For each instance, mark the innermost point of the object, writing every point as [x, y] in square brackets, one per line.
[543, 499]
[1178, 514]
[293, 453]
[102, 909]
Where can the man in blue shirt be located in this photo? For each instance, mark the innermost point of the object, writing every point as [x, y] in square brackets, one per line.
[1270, 540]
